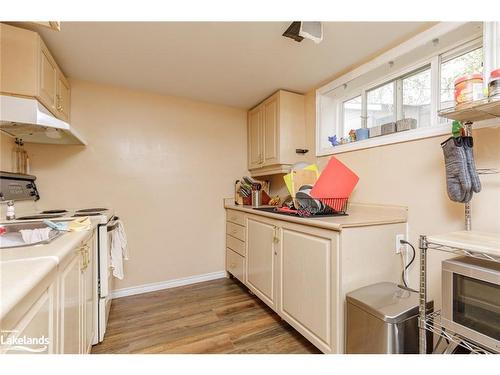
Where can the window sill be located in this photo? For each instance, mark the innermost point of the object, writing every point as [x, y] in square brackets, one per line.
[404, 136]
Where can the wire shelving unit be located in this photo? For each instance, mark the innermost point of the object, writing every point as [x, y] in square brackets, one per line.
[453, 242]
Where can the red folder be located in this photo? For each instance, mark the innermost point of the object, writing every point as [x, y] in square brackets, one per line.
[336, 181]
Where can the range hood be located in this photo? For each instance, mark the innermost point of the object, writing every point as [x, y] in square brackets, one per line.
[30, 121]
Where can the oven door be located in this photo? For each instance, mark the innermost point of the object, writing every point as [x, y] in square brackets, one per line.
[471, 302]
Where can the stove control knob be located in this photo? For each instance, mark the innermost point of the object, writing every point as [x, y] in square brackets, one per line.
[29, 186]
[33, 193]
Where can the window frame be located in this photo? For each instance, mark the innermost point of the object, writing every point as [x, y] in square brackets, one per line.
[432, 60]
[394, 98]
[460, 50]
[341, 118]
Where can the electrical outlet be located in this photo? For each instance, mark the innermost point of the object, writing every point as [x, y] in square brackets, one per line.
[399, 237]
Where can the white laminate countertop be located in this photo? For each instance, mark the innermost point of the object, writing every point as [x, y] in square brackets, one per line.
[359, 215]
[22, 268]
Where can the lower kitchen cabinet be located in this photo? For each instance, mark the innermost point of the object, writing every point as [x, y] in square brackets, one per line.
[70, 298]
[89, 296]
[303, 272]
[60, 317]
[308, 265]
[61, 309]
[37, 324]
[77, 298]
[262, 248]
[235, 264]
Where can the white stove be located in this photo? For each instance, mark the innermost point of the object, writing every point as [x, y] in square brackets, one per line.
[20, 187]
[104, 214]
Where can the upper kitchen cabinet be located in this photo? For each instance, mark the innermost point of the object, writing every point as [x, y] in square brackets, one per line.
[276, 129]
[29, 70]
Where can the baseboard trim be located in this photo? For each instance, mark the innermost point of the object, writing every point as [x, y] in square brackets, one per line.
[145, 288]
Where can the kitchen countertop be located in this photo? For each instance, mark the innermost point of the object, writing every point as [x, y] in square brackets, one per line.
[23, 268]
[359, 215]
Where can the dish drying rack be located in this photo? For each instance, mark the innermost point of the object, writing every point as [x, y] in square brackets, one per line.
[485, 109]
[309, 206]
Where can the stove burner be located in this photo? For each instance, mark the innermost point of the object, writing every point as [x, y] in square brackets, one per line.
[86, 214]
[33, 217]
[54, 212]
[100, 209]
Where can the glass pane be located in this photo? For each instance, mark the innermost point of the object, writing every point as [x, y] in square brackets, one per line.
[352, 115]
[380, 105]
[476, 305]
[417, 97]
[467, 63]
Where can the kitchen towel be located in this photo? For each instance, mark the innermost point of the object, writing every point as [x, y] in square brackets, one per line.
[458, 180]
[35, 235]
[79, 224]
[119, 251]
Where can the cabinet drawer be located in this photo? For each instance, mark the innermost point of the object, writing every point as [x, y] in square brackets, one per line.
[235, 230]
[236, 245]
[235, 217]
[235, 265]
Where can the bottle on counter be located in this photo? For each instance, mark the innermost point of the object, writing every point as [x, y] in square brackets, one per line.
[11, 211]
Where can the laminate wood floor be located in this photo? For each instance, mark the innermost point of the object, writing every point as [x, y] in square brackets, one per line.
[217, 316]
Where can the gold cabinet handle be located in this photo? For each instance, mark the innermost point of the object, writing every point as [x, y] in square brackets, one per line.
[58, 103]
[87, 252]
[84, 250]
[82, 253]
[276, 237]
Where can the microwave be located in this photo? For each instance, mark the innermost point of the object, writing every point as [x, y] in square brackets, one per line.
[471, 300]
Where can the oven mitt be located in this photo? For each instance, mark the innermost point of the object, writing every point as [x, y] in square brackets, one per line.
[471, 165]
[458, 181]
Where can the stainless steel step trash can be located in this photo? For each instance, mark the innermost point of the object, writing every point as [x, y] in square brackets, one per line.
[382, 318]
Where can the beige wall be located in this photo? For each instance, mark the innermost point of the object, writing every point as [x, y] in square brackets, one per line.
[172, 160]
[163, 163]
[412, 174]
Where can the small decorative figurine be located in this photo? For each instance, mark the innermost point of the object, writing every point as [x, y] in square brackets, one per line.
[352, 135]
[333, 140]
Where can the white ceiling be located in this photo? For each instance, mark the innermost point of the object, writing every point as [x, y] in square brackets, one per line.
[231, 63]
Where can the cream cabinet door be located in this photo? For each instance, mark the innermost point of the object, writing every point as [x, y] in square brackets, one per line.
[261, 252]
[307, 282]
[63, 98]
[47, 80]
[255, 138]
[70, 307]
[37, 326]
[89, 293]
[271, 136]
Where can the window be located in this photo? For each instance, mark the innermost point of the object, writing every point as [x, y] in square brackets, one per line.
[451, 69]
[410, 94]
[412, 81]
[351, 110]
[380, 105]
[416, 97]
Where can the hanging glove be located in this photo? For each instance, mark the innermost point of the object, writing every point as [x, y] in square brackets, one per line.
[471, 165]
[458, 181]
